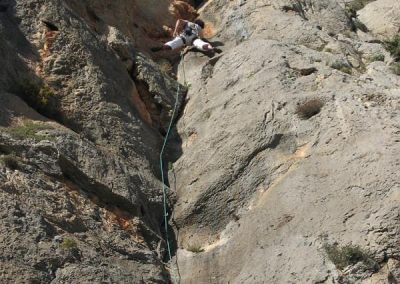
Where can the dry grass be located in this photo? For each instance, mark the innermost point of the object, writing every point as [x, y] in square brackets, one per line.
[196, 248]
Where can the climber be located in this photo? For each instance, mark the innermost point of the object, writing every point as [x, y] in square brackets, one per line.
[186, 33]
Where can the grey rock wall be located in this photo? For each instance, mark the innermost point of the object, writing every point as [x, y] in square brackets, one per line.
[285, 153]
[81, 199]
[264, 188]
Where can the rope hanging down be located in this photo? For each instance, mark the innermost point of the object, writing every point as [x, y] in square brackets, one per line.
[164, 188]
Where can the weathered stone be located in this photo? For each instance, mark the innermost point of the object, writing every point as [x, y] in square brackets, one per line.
[288, 142]
[260, 190]
[382, 17]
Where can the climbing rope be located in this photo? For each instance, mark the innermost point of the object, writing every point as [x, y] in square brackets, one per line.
[164, 187]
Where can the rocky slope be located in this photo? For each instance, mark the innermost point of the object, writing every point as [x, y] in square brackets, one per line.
[284, 161]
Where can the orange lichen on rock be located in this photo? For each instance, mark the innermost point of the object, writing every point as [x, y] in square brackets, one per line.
[49, 38]
[209, 30]
[141, 107]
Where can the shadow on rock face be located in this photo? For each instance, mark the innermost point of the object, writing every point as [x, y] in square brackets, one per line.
[16, 76]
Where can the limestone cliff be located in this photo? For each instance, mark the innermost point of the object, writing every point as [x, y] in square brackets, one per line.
[82, 118]
[290, 141]
[283, 162]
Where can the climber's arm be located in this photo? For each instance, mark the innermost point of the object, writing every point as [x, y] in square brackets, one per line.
[178, 26]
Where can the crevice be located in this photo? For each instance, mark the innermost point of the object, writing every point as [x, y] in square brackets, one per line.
[92, 15]
[50, 26]
[208, 69]
[199, 3]
[153, 108]
[3, 8]
[297, 8]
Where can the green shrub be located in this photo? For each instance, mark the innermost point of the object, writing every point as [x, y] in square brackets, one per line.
[28, 130]
[347, 255]
[36, 94]
[377, 57]
[44, 95]
[342, 67]
[393, 46]
[309, 108]
[196, 248]
[68, 243]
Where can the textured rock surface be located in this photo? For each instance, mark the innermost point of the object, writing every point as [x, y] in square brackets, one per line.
[263, 191]
[288, 143]
[80, 192]
[382, 17]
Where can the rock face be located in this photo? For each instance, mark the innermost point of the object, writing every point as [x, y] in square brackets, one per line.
[284, 160]
[289, 144]
[381, 18]
[82, 119]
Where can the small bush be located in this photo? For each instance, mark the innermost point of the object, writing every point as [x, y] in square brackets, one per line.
[393, 46]
[377, 57]
[44, 95]
[36, 94]
[10, 161]
[342, 67]
[27, 130]
[68, 243]
[396, 68]
[348, 255]
[196, 248]
[309, 108]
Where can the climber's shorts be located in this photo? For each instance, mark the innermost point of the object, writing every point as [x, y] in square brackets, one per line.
[198, 43]
[175, 43]
[179, 42]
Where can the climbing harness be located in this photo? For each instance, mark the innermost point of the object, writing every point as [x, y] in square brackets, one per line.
[164, 188]
[190, 33]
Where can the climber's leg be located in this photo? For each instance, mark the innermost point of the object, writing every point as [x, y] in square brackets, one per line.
[202, 45]
[173, 44]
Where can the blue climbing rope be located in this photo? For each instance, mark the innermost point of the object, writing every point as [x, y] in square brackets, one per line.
[164, 188]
